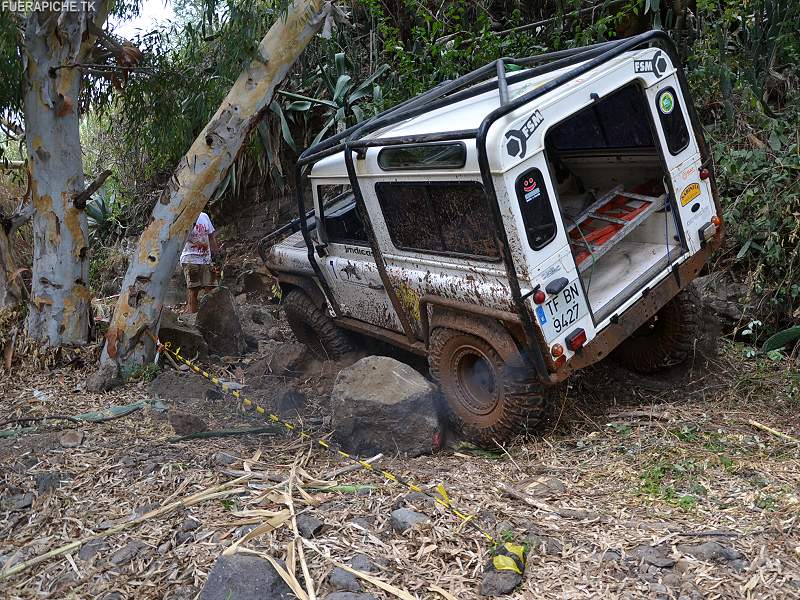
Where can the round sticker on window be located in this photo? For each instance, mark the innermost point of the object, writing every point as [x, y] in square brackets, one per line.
[666, 102]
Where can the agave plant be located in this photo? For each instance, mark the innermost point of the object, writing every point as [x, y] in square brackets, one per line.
[343, 98]
[101, 212]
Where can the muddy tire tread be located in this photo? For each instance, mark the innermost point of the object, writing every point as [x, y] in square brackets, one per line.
[672, 344]
[302, 312]
[525, 401]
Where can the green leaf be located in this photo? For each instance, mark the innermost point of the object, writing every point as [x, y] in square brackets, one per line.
[285, 130]
[341, 63]
[299, 106]
[341, 87]
[743, 250]
[774, 141]
[294, 96]
[782, 339]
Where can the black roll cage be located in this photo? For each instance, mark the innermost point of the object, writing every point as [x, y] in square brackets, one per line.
[351, 140]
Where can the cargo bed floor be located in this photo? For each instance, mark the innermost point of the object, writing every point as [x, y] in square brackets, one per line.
[620, 269]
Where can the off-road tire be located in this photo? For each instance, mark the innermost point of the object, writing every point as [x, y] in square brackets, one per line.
[518, 404]
[665, 341]
[312, 327]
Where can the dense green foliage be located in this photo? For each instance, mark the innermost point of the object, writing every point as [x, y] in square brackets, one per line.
[740, 55]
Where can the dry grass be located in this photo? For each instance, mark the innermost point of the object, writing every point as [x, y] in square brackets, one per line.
[659, 462]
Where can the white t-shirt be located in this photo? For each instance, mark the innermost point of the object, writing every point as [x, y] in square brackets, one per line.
[197, 250]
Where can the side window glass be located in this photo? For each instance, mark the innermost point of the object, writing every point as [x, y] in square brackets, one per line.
[439, 217]
[341, 219]
[537, 213]
[672, 121]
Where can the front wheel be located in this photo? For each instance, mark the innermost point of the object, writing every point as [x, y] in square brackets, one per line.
[312, 327]
[667, 339]
[489, 397]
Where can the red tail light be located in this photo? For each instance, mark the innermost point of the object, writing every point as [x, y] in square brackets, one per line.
[539, 296]
[576, 340]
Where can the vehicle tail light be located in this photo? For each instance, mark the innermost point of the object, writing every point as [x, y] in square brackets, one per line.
[561, 361]
[576, 340]
[716, 220]
[705, 173]
[539, 296]
[557, 350]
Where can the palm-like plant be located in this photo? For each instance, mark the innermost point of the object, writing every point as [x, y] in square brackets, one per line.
[343, 98]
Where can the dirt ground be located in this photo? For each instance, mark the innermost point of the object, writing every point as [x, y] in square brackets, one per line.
[639, 488]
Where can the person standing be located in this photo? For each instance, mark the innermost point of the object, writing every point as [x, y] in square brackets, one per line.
[200, 251]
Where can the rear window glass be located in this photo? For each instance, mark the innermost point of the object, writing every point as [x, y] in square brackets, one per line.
[672, 122]
[423, 156]
[440, 217]
[537, 212]
[618, 120]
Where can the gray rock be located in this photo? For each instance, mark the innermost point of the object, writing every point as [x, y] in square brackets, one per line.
[71, 438]
[711, 552]
[308, 525]
[545, 486]
[343, 581]
[106, 377]
[49, 481]
[289, 401]
[276, 334]
[611, 556]
[243, 577]
[218, 321]
[127, 553]
[89, 550]
[189, 524]
[361, 562]
[253, 282]
[176, 387]
[382, 405]
[652, 555]
[18, 501]
[349, 596]
[288, 360]
[724, 298]
[186, 423]
[224, 459]
[543, 544]
[499, 583]
[405, 518]
[182, 333]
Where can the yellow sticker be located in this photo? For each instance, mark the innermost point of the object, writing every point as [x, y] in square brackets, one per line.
[502, 562]
[689, 193]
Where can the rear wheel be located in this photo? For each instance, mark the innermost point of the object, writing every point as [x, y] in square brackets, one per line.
[312, 327]
[667, 339]
[489, 397]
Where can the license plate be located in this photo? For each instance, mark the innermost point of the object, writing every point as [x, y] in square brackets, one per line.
[559, 312]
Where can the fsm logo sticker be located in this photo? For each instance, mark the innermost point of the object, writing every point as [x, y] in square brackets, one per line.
[517, 139]
[656, 65]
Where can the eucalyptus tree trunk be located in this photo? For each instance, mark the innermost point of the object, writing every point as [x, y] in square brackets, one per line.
[195, 179]
[10, 290]
[55, 42]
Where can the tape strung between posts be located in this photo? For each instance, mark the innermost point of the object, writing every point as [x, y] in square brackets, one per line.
[442, 499]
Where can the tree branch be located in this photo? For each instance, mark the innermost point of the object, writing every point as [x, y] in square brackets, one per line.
[80, 200]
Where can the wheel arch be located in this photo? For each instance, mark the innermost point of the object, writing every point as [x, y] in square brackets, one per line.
[490, 330]
[289, 281]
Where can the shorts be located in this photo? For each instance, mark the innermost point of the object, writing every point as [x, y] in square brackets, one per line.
[199, 276]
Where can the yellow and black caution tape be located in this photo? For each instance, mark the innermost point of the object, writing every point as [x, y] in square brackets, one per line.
[502, 561]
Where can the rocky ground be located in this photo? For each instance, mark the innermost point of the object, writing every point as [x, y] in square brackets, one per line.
[663, 487]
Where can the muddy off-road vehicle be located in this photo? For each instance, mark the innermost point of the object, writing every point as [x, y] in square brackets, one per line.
[514, 225]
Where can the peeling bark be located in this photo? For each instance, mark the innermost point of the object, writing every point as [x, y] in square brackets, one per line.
[196, 178]
[60, 299]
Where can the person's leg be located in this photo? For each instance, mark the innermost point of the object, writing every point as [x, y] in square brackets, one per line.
[191, 300]
[192, 273]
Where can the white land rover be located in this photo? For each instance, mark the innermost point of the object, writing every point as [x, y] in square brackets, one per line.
[512, 226]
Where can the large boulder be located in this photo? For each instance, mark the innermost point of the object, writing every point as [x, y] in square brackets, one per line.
[244, 577]
[183, 334]
[724, 298]
[382, 405]
[219, 323]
